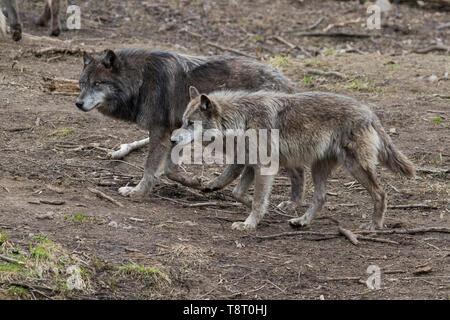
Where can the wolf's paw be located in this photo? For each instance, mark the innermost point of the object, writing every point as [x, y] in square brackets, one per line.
[300, 222]
[288, 205]
[243, 226]
[132, 192]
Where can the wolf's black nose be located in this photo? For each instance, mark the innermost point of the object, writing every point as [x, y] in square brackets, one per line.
[79, 104]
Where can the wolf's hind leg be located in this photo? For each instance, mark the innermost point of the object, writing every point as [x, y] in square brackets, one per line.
[297, 176]
[263, 186]
[320, 172]
[240, 190]
[368, 179]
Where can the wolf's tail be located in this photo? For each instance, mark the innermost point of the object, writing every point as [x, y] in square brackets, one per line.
[390, 156]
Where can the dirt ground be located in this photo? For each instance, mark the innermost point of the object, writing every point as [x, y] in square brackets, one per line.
[51, 153]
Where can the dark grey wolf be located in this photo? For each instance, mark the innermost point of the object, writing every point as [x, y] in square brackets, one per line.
[316, 129]
[151, 88]
[50, 18]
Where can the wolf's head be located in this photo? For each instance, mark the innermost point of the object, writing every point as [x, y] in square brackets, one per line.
[105, 84]
[202, 113]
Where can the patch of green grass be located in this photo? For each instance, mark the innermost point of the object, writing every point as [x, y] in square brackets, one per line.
[3, 237]
[64, 132]
[256, 37]
[77, 217]
[80, 218]
[307, 79]
[395, 67]
[11, 267]
[18, 291]
[437, 120]
[330, 52]
[280, 61]
[136, 269]
[151, 276]
[42, 248]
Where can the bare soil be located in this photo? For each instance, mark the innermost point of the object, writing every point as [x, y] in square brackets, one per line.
[49, 150]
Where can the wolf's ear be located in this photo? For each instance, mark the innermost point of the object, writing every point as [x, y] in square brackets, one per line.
[206, 104]
[86, 59]
[110, 60]
[193, 92]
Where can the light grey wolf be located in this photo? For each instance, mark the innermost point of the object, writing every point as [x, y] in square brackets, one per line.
[316, 129]
[151, 89]
[50, 18]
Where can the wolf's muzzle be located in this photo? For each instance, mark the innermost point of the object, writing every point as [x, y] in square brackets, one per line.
[80, 104]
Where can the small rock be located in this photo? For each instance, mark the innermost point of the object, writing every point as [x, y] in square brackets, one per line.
[113, 224]
[423, 270]
[239, 245]
[321, 297]
[75, 281]
[46, 216]
[432, 78]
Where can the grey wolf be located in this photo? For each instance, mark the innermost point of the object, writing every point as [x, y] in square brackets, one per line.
[50, 17]
[316, 129]
[151, 89]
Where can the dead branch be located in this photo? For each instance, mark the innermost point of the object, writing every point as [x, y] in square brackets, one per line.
[335, 34]
[433, 170]
[341, 24]
[377, 240]
[316, 24]
[10, 260]
[102, 195]
[342, 279]
[438, 47]
[349, 235]
[240, 53]
[325, 73]
[443, 26]
[127, 148]
[412, 206]
[297, 233]
[283, 41]
[405, 231]
[212, 44]
[53, 202]
[62, 86]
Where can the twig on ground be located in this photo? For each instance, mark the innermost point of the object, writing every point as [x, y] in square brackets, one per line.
[412, 206]
[437, 47]
[11, 260]
[316, 24]
[335, 34]
[349, 235]
[102, 195]
[405, 231]
[325, 73]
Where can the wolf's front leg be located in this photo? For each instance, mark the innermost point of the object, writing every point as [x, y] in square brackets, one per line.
[159, 147]
[297, 176]
[263, 186]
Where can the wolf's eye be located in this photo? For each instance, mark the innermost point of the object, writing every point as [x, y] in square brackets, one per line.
[97, 83]
[190, 122]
